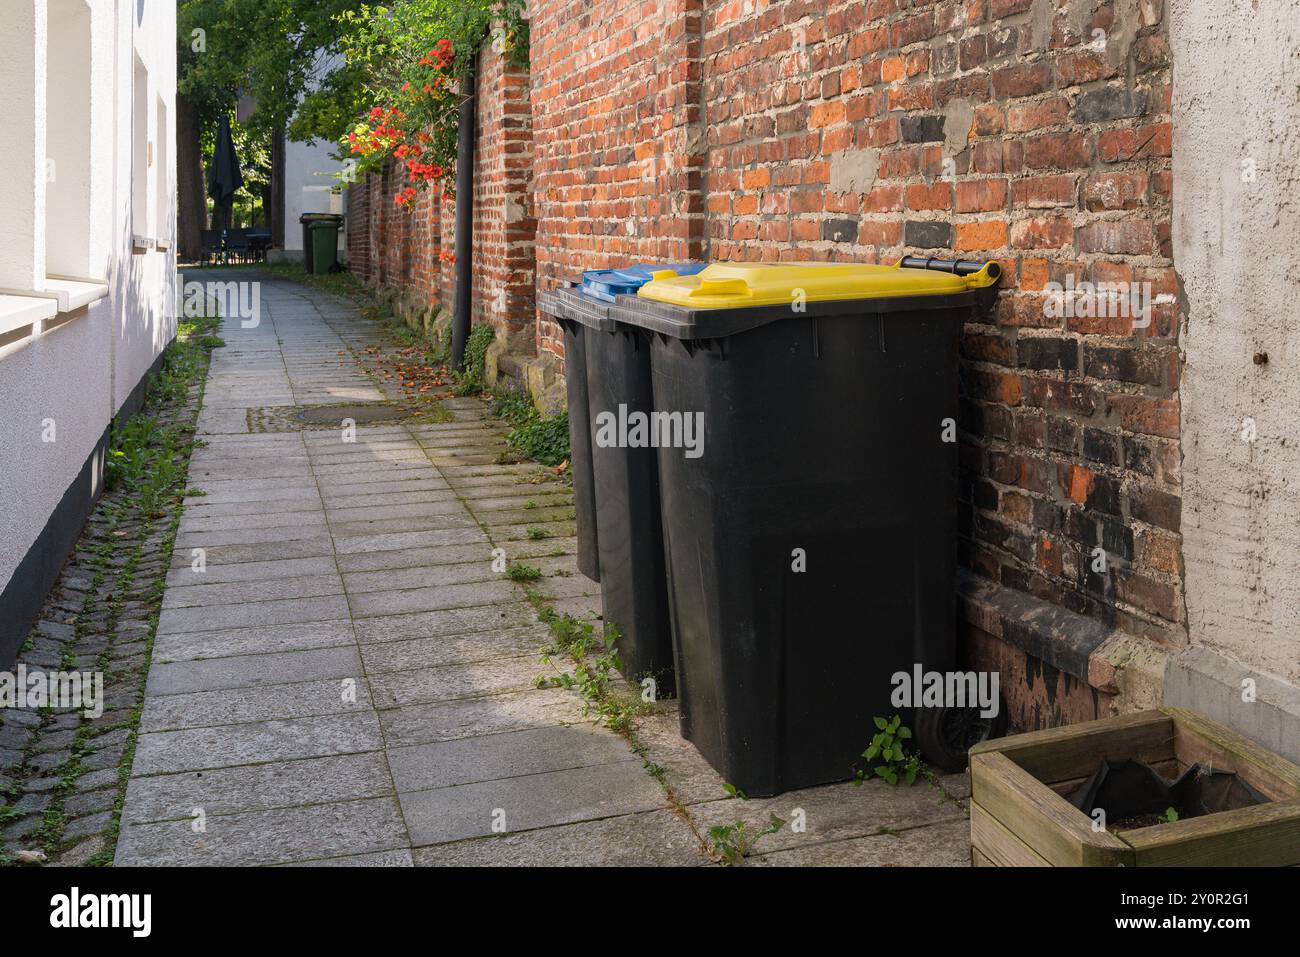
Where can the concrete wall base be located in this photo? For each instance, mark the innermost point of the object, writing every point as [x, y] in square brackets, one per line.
[1258, 706]
[24, 595]
[538, 375]
[1055, 667]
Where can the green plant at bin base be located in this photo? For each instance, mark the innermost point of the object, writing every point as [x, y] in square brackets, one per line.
[544, 438]
[730, 844]
[892, 761]
[1170, 815]
[519, 572]
[734, 791]
[594, 657]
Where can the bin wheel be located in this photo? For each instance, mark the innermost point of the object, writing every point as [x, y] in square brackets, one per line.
[945, 735]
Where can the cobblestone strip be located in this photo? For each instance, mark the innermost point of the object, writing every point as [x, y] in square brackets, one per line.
[62, 772]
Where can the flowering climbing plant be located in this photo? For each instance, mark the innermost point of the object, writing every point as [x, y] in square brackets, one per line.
[416, 58]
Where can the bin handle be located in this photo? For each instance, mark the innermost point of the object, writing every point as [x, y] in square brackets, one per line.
[976, 273]
[720, 287]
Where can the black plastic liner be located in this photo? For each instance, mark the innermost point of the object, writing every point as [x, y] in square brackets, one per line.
[1128, 789]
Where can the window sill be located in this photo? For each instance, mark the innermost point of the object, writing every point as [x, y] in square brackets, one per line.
[66, 293]
[161, 245]
[73, 293]
[141, 244]
[19, 312]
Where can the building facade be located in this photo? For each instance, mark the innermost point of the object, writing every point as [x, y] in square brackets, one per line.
[87, 263]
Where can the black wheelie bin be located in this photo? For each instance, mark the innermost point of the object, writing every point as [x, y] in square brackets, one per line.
[624, 474]
[811, 540]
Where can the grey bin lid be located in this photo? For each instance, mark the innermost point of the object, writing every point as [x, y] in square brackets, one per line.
[572, 305]
[682, 323]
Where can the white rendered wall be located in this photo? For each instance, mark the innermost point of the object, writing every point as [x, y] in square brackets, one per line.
[309, 173]
[69, 381]
[1236, 235]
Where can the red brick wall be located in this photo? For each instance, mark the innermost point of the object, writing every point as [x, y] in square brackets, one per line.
[392, 246]
[504, 225]
[618, 137]
[857, 131]
[1033, 131]
[358, 228]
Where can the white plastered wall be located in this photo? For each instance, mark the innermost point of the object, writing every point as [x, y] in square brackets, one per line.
[1236, 232]
[68, 381]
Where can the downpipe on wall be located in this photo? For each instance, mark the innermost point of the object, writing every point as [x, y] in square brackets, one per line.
[465, 137]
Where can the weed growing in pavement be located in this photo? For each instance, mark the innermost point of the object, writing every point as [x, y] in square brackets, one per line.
[519, 572]
[544, 438]
[892, 761]
[730, 844]
[536, 533]
[594, 657]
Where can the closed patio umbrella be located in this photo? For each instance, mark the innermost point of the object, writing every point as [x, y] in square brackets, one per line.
[224, 177]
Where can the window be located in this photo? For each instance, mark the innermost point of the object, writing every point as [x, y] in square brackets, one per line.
[67, 143]
[141, 154]
[164, 202]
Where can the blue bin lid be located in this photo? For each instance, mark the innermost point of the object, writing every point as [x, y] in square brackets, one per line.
[605, 284]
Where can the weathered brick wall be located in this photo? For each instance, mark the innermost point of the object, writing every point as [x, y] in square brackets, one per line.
[402, 248]
[358, 228]
[1033, 131]
[617, 128]
[504, 225]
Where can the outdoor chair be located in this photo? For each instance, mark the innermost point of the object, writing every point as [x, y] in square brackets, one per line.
[210, 240]
[237, 244]
[259, 240]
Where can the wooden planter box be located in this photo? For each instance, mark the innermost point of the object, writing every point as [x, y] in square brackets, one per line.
[1019, 816]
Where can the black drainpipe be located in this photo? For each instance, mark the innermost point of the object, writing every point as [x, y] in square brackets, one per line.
[465, 136]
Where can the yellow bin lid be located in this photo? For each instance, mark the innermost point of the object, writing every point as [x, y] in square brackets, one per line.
[737, 285]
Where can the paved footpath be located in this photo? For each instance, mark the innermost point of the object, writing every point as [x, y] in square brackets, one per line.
[348, 681]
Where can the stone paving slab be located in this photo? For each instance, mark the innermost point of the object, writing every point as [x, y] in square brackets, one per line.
[251, 671]
[216, 709]
[941, 845]
[380, 657]
[196, 749]
[511, 754]
[538, 800]
[449, 621]
[203, 593]
[258, 787]
[651, 839]
[350, 682]
[446, 721]
[399, 689]
[268, 837]
[275, 612]
[185, 577]
[295, 636]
